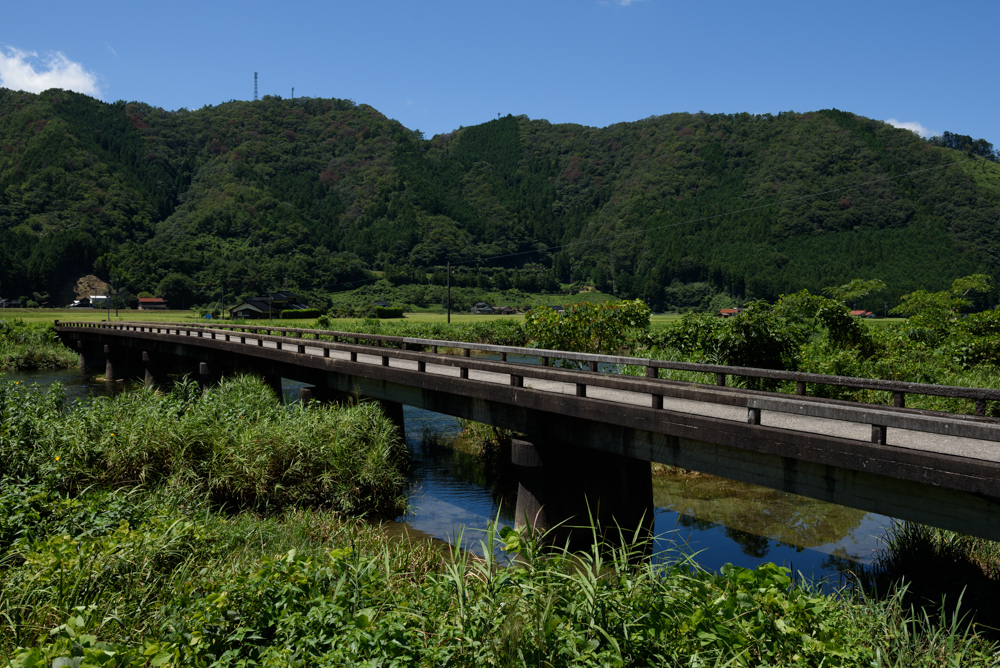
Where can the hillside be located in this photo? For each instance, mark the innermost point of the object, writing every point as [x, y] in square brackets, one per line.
[314, 194]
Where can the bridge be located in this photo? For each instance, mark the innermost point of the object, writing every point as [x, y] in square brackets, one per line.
[590, 431]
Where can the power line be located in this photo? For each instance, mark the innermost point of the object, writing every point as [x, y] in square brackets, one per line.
[645, 230]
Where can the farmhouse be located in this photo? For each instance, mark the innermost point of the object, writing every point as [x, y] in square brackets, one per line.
[269, 305]
[152, 304]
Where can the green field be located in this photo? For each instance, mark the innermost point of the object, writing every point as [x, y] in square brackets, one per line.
[86, 315]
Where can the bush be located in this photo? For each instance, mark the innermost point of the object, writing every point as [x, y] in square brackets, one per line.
[385, 313]
[300, 313]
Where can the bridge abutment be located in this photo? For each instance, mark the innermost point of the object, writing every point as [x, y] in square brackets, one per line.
[568, 491]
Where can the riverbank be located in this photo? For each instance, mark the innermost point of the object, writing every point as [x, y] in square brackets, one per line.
[156, 529]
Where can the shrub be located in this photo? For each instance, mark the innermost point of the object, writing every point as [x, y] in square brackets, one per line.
[300, 313]
[385, 313]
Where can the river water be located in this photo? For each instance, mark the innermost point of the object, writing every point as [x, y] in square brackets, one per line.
[720, 521]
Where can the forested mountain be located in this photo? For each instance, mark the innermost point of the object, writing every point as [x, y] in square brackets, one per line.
[315, 194]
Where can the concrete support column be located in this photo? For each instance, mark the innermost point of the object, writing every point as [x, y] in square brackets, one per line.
[109, 366]
[207, 376]
[149, 369]
[563, 489]
[323, 395]
[82, 360]
[394, 411]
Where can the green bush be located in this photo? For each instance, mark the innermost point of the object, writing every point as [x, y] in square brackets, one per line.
[301, 313]
[385, 313]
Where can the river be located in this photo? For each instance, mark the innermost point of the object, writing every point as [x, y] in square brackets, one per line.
[720, 520]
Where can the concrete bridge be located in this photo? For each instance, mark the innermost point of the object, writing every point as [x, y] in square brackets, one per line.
[591, 431]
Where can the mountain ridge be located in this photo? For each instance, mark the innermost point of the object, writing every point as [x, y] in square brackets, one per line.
[318, 193]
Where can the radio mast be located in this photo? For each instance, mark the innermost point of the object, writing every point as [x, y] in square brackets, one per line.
[254, 86]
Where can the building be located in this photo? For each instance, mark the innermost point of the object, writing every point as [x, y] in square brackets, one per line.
[482, 308]
[152, 304]
[858, 313]
[267, 306]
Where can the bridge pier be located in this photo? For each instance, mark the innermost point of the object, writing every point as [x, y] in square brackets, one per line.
[81, 356]
[109, 364]
[207, 376]
[563, 489]
[392, 409]
[153, 373]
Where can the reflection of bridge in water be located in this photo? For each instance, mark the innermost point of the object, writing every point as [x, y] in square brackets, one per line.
[590, 435]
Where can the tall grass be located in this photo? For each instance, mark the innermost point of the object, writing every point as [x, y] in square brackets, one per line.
[240, 446]
[25, 347]
[190, 586]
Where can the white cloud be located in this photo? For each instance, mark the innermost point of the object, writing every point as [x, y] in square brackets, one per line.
[23, 70]
[912, 126]
[626, 3]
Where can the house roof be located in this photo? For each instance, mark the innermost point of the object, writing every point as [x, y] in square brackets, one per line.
[152, 300]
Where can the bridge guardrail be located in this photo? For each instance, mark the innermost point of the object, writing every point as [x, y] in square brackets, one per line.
[898, 389]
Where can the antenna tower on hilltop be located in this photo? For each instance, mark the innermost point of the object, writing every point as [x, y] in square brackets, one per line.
[293, 92]
[254, 86]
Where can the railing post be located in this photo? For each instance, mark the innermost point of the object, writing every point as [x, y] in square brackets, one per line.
[899, 399]
[503, 357]
[658, 401]
[878, 434]
[467, 352]
[753, 416]
[545, 361]
[981, 406]
[421, 366]
[516, 381]
[581, 390]
[800, 388]
[326, 352]
[652, 372]
[385, 360]
[720, 379]
[463, 372]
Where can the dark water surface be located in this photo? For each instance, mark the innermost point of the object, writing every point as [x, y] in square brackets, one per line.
[720, 520]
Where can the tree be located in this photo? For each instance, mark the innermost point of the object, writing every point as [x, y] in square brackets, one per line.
[603, 328]
[179, 290]
[855, 290]
[936, 311]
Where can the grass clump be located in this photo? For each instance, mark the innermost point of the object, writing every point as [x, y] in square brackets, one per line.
[236, 443]
[29, 346]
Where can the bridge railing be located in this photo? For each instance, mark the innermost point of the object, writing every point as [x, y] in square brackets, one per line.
[588, 361]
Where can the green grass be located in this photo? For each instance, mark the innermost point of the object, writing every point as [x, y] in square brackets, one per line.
[166, 580]
[237, 444]
[25, 346]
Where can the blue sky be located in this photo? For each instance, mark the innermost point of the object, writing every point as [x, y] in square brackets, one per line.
[440, 64]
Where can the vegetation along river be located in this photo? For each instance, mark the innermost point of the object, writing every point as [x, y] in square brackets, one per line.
[720, 520]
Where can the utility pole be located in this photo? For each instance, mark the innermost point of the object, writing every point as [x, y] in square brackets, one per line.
[448, 278]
